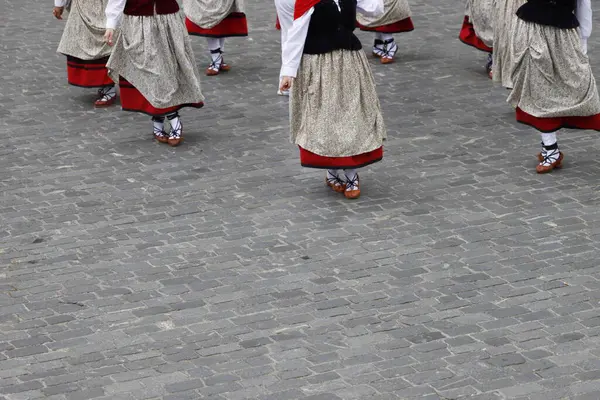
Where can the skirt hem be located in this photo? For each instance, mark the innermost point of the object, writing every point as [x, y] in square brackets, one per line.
[309, 159]
[405, 25]
[553, 124]
[235, 24]
[469, 37]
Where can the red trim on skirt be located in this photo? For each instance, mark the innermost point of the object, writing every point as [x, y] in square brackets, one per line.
[89, 74]
[469, 37]
[405, 25]
[312, 160]
[235, 24]
[133, 100]
[548, 125]
[277, 24]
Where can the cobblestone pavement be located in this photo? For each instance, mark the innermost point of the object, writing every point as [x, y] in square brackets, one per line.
[222, 270]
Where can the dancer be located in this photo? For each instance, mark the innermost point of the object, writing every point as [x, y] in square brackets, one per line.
[505, 16]
[554, 86]
[153, 62]
[83, 44]
[396, 19]
[478, 29]
[216, 20]
[285, 19]
[335, 115]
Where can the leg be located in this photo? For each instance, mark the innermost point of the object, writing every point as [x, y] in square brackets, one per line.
[334, 181]
[216, 55]
[176, 134]
[490, 65]
[352, 191]
[389, 48]
[107, 96]
[378, 45]
[159, 129]
[550, 156]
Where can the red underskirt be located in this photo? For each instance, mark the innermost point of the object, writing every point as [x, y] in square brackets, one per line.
[405, 25]
[235, 24]
[89, 74]
[277, 24]
[312, 160]
[469, 37]
[133, 100]
[548, 125]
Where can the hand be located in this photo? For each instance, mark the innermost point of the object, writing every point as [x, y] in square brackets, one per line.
[108, 36]
[286, 83]
[58, 12]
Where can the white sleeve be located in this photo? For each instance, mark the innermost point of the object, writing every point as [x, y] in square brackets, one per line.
[114, 13]
[370, 8]
[60, 3]
[294, 45]
[584, 16]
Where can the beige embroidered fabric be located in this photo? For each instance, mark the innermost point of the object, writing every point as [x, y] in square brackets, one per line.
[209, 13]
[504, 20]
[481, 15]
[334, 108]
[83, 36]
[394, 11]
[552, 76]
[155, 55]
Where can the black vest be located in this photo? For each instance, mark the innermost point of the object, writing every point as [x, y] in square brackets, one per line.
[331, 29]
[557, 13]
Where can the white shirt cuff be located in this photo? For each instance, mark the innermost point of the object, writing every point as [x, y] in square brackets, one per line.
[60, 3]
[112, 23]
[289, 71]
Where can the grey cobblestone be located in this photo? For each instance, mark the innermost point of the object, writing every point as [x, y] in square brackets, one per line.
[222, 270]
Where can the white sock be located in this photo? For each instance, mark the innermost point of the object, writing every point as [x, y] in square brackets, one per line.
[222, 43]
[378, 36]
[351, 176]
[175, 124]
[387, 36]
[332, 173]
[548, 139]
[214, 47]
[159, 125]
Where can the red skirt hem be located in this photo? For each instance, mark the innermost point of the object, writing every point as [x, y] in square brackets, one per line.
[549, 125]
[133, 100]
[469, 37]
[277, 24]
[235, 24]
[88, 73]
[405, 25]
[312, 160]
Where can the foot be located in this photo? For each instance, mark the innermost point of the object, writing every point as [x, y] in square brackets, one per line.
[212, 70]
[106, 97]
[335, 183]
[489, 66]
[175, 136]
[377, 46]
[552, 160]
[161, 136]
[388, 51]
[352, 190]
[224, 67]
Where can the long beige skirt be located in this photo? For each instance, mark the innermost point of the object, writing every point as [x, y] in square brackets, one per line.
[334, 108]
[154, 55]
[552, 76]
[481, 15]
[394, 11]
[504, 20]
[83, 36]
[209, 13]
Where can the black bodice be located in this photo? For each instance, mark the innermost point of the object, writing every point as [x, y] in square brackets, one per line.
[331, 29]
[557, 13]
